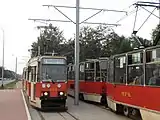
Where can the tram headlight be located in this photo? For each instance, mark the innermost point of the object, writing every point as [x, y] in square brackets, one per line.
[61, 93]
[59, 85]
[45, 93]
[43, 85]
[48, 85]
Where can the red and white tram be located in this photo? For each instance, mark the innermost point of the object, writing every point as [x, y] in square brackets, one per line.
[93, 74]
[45, 81]
[133, 83]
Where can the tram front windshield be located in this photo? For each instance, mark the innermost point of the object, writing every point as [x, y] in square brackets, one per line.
[54, 72]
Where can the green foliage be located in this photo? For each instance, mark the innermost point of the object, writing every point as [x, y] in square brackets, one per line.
[95, 42]
[50, 40]
[7, 73]
[156, 35]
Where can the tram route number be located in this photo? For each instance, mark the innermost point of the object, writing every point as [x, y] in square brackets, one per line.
[126, 94]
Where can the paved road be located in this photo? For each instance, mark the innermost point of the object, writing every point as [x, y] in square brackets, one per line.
[5, 82]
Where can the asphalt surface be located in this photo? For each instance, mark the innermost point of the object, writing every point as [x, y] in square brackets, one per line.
[5, 82]
[84, 111]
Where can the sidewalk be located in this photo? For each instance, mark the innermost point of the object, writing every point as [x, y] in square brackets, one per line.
[12, 105]
[91, 112]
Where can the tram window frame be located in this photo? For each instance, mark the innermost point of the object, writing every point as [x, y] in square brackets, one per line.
[119, 65]
[38, 72]
[152, 67]
[82, 71]
[103, 65]
[111, 71]
[73, 72]
[29, 74]
[134, 79]
[90, 71]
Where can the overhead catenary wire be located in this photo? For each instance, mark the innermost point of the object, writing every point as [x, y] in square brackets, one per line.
[125, 16]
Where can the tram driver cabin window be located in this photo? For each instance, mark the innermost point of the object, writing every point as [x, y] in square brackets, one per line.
[89, 71]
[153, 67]
[135, 69]
[120, 69]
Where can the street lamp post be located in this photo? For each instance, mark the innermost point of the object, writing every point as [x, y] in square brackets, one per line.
[16, 69]
[3, 59]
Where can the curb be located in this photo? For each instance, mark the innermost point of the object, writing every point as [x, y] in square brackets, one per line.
[26, 107]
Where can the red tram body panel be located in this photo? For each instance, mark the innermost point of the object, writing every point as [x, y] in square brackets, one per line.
[45, 81]
[137, 96]
[133, 83]
[92, 83]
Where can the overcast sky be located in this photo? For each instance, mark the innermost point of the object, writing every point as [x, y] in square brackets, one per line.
[20, 33]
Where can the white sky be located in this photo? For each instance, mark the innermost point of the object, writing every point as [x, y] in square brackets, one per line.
[20, 33]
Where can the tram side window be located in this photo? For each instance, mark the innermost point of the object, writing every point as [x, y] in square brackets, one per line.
[69, 73]
[29, 74]
[103, 70]
[120, 69]
[25, 75]
[72, 73]
[38, 73]
[32, 73]
[35, 74]
[97, 71]
[89, 71]
[153, 67]
[111, 71]
[135, 69]
[82, 74]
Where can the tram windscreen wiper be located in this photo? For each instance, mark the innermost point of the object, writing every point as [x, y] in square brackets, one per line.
[49, 77]
[53, 81]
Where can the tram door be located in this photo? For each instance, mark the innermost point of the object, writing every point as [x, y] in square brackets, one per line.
[33, 83]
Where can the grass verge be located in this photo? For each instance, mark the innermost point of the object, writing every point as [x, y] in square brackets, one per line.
[10, 85]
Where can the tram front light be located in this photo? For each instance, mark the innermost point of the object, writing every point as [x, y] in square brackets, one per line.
[43, 85]
[48, 85]
[61, 93]
[59, 85]
[45, 93]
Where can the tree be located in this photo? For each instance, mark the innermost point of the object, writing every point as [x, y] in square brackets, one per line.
[7, 73]
[156, 35]
[100, 41]
[50, 40]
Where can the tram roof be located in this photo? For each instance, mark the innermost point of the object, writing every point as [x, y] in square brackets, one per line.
[38, 58]
[138, 50]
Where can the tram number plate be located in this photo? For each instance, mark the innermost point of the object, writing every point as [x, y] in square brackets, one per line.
[53, 89]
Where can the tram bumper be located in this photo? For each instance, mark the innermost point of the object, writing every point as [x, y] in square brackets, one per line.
[53, 102]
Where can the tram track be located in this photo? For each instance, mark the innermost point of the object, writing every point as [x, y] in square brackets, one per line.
[40, 115]
[56, 115]
[43, 115]
[61, 114]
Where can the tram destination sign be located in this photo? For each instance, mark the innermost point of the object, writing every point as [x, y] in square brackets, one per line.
[53, 61]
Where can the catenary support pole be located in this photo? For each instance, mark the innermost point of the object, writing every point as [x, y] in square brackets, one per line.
[77, 56]
[3, 59]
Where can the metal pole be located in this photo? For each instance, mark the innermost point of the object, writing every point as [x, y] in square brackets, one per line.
[3, 59]
[159, 12]
[16, 69]
[76, 93]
